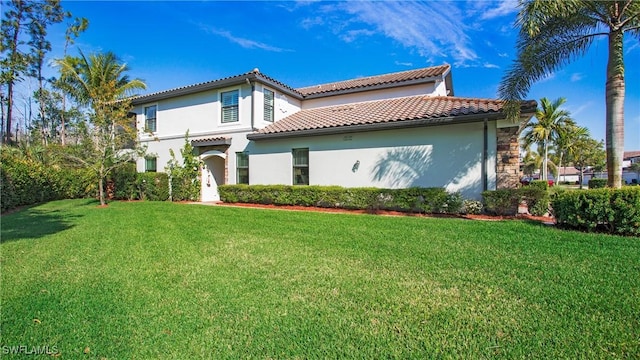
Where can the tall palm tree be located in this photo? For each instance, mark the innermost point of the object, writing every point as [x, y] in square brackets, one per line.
[533, 162]
[100, 82]
[566, 140]
[552, 34]
[550, 122]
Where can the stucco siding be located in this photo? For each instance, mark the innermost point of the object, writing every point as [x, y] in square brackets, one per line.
[437, 156]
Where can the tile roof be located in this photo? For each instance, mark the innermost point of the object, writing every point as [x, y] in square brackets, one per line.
[254, 74]
[631, 154]
[404, 111]
[370, 81]
[220, 140]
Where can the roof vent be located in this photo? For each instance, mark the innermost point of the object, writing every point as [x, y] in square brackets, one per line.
[255, 70]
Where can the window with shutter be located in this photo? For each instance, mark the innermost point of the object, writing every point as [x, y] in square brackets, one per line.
[229, 101]
[268, 105]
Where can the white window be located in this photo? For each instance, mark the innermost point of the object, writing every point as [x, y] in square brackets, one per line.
[151, 164]
[150, 118]
[242, 168]
[229, 102]
[268, 105]
[301, 166]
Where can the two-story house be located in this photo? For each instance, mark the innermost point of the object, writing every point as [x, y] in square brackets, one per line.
[394, 130]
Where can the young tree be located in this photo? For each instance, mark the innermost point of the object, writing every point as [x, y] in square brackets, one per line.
[100, 82]
[566, 141]
[587, 154]
[551, 120]
[553, 33]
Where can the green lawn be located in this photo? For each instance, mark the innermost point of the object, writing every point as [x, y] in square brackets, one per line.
[160, 280]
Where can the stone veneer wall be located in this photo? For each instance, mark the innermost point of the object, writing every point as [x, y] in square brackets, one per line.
[508, 158]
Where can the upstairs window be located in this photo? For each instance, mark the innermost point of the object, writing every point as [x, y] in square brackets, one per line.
[151, 164]
[301, 166]
[242, 168]
[268, 105]
[150, 118]
[229, 101]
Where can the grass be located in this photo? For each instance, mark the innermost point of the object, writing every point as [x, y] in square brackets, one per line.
[159, 280]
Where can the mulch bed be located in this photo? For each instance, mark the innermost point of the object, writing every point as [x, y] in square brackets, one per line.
[543, 219]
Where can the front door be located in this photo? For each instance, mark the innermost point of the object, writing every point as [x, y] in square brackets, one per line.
[212, 176]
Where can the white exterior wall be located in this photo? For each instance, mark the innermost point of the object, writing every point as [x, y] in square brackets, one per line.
[429, 89]
[438, 156]
[200, 114]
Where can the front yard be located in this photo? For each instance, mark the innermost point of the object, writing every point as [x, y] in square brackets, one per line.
[162, 280]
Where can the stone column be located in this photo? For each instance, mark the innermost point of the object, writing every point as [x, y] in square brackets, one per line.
[508, 158]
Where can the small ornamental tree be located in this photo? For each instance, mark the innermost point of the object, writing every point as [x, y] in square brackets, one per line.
[184, 183]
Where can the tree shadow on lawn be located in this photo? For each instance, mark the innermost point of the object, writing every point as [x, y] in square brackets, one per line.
[33, 223]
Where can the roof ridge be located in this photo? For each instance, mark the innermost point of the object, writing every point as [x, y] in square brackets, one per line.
[375, 76]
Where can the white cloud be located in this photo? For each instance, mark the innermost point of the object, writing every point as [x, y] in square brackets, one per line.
[505, 7]
[503, 55]
[490, 66]
[245, 43]
[308, 23]
[351, 35]
[432, 28]
[576, 77]
[404, 63]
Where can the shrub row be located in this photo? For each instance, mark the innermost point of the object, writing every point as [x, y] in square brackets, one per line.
[26, 182]
[506, 201]
[128, 184]
[597, 183]
[616, 211]
[423, 200]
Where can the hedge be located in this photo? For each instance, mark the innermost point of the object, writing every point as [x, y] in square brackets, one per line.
[423, 200]
[616, 211]
[597, 183]
[506, 201]
[26, 182]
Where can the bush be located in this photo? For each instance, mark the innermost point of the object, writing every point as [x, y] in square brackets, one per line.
[124, 181]
[427, 200]
[597, 183]
[501, 201]
[616, 211]
[473, 207]
[24, 181]
[152, 186]
[539, 184]
[506, 201]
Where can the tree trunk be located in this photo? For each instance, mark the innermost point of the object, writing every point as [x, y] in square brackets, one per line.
[545, 161]
[615, 90]
[100, 186]
[7, 133]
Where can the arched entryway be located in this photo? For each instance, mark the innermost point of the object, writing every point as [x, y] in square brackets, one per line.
[213, 164]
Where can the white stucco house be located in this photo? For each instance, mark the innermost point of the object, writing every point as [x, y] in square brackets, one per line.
[393, 130]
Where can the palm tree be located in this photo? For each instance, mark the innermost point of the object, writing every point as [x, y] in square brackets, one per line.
[533, 161]
[551, 121]
[552, 34]
[100, 82]
[566, 140]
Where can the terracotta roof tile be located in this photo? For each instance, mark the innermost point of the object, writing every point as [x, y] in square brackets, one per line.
[434, 109]
[631, 154]
[424, 73]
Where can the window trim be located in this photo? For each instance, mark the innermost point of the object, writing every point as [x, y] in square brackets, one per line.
[239, 167]
[265, 107]
[147, 168]
[299, 166]
[223, 107]
[146, 120]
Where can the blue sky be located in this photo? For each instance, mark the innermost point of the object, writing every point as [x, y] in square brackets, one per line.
[174, 43]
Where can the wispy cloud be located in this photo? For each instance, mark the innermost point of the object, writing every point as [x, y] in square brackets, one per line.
[403, 63]
[243, 42]
[351, 35]
[490, 66]
[576, 77]
[505, 7]
[432, 28]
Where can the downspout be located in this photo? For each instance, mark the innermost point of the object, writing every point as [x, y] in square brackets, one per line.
[485, 155]
[253, 103]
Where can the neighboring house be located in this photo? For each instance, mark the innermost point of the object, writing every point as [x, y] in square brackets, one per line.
[630, 157]
[394, 130]
[568, 174]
